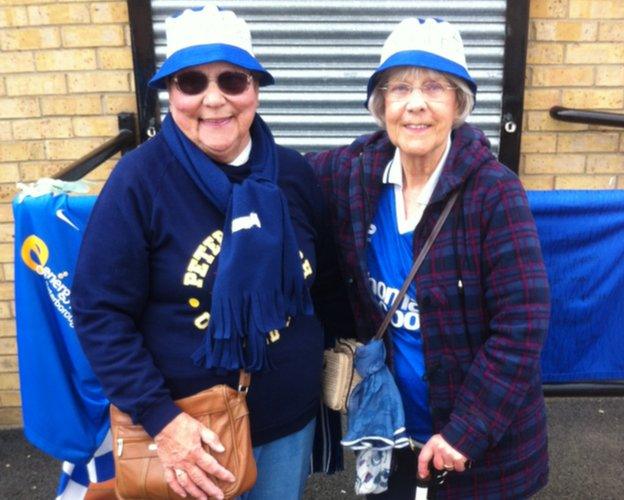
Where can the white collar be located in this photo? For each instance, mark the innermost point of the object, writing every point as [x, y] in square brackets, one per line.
[242, 158]
[393, 174]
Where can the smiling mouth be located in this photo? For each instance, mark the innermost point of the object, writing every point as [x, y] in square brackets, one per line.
[215, 121]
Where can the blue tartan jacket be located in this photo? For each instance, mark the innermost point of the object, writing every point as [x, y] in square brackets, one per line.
[484, 305]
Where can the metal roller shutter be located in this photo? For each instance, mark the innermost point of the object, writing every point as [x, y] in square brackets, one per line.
[321, 54]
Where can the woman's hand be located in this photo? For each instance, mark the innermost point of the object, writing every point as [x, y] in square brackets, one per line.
[185, 461]
[443, 455]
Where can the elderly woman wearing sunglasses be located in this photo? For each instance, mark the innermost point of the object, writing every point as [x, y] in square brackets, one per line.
[466, 341]
[199, 260]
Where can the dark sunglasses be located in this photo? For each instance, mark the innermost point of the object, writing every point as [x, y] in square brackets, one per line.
[193, 82]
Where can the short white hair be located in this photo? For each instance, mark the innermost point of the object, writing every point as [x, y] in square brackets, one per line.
[377, 103]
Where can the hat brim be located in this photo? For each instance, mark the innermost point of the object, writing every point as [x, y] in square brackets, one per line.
[420, 59]
[205, 54]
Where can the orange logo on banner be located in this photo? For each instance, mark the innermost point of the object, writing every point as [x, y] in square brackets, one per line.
[35, 253]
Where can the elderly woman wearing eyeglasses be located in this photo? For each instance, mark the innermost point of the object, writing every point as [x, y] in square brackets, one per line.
[204, 242]
[465, 345]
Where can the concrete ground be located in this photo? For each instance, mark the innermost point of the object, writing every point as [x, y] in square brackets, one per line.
[586, 448]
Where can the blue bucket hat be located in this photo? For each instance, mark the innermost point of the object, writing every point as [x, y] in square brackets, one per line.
[205, 36]
[425, 43]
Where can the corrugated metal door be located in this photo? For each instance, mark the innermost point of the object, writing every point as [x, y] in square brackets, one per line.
[321, 54]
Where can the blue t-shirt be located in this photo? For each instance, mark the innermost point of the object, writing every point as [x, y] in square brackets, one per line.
[390, 258]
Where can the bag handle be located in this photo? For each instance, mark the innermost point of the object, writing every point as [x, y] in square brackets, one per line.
[419, 260]
[244, 380]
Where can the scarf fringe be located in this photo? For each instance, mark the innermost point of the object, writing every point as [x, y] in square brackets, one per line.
[240, 324]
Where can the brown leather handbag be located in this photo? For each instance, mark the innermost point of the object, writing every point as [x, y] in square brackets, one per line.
[139, 473]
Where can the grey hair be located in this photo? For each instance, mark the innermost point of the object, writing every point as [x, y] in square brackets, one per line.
[377, 104]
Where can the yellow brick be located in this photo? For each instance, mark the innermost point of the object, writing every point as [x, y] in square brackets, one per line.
[538, 182]
[7, 343]
[36, 84]
[538, 143]
[103, 171]
[115, 58]
[71, 105]
[109, 12]
[95, 126]
[6, 233]
[93, 36]
[16, 62]
[597, 9]
[541, 120]
[100, 81]
[114, 104]
[605, 164]
[31, 171]
[20, 151]
[65, 60]
[6, 215]
[610, 75]
[541, 99]
[611, 31]
[70, 149]
[556, 76]
[30, 38]
[620, 182]
[42, 128]
[574, 31]
[6, 311]
[10, 398]
[544, 53]
[8, 364]
[18, 107]
[9, 172]
[63, 13]
[6, 252]
[6, 132]
[584, 182]
[593, 98]
[595, 53]
[554, 164]
[9, 381]
[2, 87]
[548, 8]
[588, 142]
[7, 328]
[13, 16]
[11, 418]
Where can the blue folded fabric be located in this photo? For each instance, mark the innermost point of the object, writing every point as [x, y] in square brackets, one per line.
[375, 411]
[582, 238]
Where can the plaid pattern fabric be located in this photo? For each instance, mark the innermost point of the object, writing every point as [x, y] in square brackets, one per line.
[484, 305]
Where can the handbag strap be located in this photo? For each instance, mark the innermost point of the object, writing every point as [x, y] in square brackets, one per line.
[419, 260]
[244, 381]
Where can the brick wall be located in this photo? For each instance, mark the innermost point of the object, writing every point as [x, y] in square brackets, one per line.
[65, 73]
[575, 59]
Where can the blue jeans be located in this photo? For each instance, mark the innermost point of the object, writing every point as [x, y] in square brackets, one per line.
[283, 466]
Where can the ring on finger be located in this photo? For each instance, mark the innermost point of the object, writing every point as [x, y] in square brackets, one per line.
[179, 472]
[448, 467]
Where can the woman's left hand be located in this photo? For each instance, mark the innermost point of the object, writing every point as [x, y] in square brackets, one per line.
[443, 455]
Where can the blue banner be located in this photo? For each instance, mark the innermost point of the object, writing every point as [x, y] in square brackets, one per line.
[64, 409]
[582, 238]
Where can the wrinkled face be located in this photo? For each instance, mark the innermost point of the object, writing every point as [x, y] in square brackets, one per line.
[417, 124]
[218, 123]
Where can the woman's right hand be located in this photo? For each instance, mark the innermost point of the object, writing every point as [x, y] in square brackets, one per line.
[187, 465]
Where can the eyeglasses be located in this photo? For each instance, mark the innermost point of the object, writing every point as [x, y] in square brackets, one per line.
[193, 82]
[431, 90]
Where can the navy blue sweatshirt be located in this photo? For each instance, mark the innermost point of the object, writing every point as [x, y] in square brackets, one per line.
[142, 292]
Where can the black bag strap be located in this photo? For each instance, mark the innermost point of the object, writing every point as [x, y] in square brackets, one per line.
[419, 260]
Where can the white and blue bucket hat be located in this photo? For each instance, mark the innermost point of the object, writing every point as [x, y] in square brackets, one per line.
[425, 43]
[207, 35]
